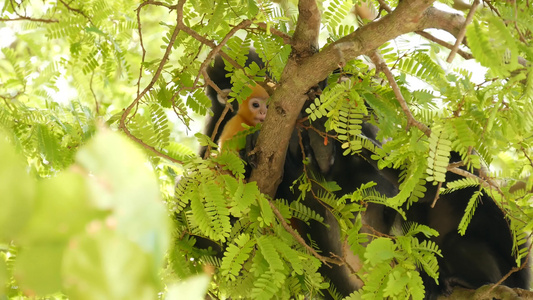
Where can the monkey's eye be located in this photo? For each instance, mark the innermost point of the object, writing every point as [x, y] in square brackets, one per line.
[255, 104]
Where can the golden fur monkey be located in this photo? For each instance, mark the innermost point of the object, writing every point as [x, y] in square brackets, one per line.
[251, 112]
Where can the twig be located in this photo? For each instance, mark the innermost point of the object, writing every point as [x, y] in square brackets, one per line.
[513, 270]
[139, 29]
[430, 37]
[78, 11]
[462, 32]
[300, 240]
[122, 124]
[216, 49]
[485, 183]
[436, 195]
[209, 43]
[526, 155]
[181, 112]
[494, 9]
[24, 18]
[411, 121]
[522, 38]
[385, 6]
[217, 126]
[97, 107]
[287, 39]
[7, 102]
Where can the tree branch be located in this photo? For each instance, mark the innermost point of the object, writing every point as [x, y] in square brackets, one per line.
[243, 24]
[411, 121]
[287, 101]
[305, 39]
[122, 123]
[430, 37]
[78, 11]
[287, 39]
[462, 32]
[24, 18]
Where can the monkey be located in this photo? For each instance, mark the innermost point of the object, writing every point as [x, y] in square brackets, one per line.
[483, 255]
[220, 76]
[349, 172]
[251, 112]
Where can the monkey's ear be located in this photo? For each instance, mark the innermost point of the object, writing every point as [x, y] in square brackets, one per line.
[222, 97]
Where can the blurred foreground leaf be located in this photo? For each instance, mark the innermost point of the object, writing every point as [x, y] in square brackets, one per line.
[96, 231]
[193, 288]
[17, 192]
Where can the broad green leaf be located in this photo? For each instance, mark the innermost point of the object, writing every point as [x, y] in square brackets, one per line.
[121, 182]
[103, 264]
[380, 250]
[38, 268]
[62, 209]
[193, 288]
[17, 190]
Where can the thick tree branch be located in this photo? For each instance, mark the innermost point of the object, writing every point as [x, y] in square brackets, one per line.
[287, 101]
[305, 37]
[438, 19]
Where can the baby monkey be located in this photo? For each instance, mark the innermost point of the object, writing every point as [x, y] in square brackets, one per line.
[251, 112]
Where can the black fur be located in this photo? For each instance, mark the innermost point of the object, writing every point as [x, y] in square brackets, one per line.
[482, 256]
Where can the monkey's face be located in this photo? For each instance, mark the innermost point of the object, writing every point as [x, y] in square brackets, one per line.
[258, 108]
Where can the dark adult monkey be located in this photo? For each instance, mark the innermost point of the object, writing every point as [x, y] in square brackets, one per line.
[326, 160]
[218, 74]
[483, 255]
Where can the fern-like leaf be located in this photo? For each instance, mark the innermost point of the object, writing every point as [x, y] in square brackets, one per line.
[439, 155]
[235, 256]
[469, 211]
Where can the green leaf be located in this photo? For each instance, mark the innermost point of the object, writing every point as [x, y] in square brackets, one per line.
[267, 246]
[194, 288]
[103, 264]
[469, 211]
[38, 268]
[62, 210]
[380, 250]
[235, 255]
[17, 190]
[122, 183]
